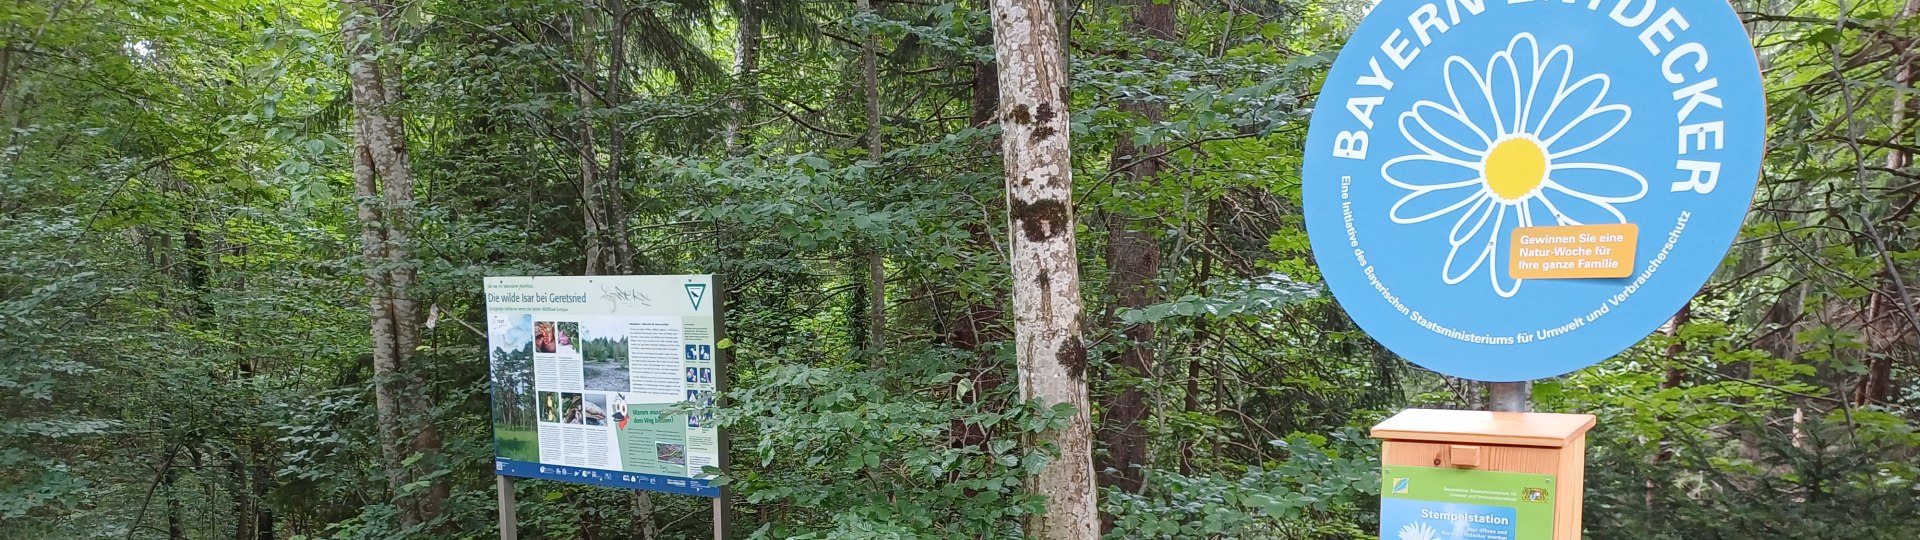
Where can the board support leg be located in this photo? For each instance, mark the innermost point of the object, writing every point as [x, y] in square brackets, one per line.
[509, 522]
[722, 507]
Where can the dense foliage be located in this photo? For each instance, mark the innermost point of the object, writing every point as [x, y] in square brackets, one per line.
[184, 327]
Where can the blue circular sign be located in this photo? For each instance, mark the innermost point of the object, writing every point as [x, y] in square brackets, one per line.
[1507, 190]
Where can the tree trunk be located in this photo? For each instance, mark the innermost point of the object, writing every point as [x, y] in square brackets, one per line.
[263, 522]
[383, 186]
[386, 403]
[1675, 375]
[176, 526]
[199, 269]
[1675, 378]
[876, 302]
[592, 211]
[640, 522]
[746, 72]
[593, 215]
[242, 495]
[870, 83]
[1878, 386]
[603, 214]
[979, 321]
[876, 261]
[1900, 158]
[1045, 266]
[612, 192]
[6, 72]
[1133, 264]
[1202, 338]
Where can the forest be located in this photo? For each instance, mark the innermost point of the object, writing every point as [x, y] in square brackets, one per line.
[244, 242]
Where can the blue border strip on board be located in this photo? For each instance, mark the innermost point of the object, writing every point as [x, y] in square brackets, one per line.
[604, 477]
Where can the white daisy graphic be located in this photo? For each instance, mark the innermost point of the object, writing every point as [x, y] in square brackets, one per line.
[1505, 151]
[1418, 531]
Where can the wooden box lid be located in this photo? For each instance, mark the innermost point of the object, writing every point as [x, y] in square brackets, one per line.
[1547, 430]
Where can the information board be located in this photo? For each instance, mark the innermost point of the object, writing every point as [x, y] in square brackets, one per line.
[585, 368]
[1507, 190]
[1427, 503]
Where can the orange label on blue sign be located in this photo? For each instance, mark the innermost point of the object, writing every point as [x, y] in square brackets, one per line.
[1573, 252]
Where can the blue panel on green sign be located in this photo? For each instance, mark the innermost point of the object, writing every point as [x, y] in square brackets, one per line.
[603, 477]
[1402, 519]
[1445, 126]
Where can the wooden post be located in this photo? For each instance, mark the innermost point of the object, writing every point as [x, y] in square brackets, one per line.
[509, 522]
[722, 529]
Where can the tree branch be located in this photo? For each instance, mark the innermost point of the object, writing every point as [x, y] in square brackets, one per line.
[803, 122]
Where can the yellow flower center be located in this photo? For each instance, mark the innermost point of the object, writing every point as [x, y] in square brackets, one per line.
[1515, 168]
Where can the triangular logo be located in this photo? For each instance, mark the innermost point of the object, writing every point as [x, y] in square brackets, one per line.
[695, 293]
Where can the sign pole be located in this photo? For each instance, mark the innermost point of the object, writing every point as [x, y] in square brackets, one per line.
[722, 503]
[509, 522]
[721, 508]
[1509, 396]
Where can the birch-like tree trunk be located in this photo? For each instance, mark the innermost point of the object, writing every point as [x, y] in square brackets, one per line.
[1133, 261]
[746, 72]
[383, 187]
[613, 187]
[1046, 275]
[592, 212]
[601, 250]
[608, 250]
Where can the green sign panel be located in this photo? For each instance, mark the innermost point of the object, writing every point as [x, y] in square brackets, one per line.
[1426, 503]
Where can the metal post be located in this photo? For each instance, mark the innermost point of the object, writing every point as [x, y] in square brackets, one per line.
[509, 523]
[1510, 397]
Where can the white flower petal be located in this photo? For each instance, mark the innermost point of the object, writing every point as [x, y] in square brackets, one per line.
[1470, 252]
[1497, 259]
[1571, 102]
[1596, 126]
[1470, 97]
[1550, 78]
[1598, 182]
[1573, 208]
[1420, 172]
[1471, 222]
[1427, 204]
[1535, 212]
[1510, 79]
[1443, 131]
[1557, 217]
